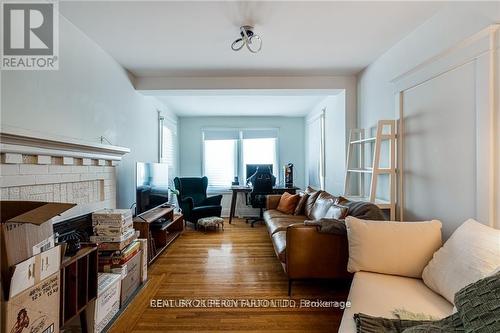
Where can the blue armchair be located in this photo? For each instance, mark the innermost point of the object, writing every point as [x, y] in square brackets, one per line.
[193, 199]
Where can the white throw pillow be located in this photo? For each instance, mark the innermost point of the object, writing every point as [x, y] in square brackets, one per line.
[471, 253]
[396, 248]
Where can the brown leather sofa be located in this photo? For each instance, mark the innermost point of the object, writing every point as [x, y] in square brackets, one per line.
[305, 252]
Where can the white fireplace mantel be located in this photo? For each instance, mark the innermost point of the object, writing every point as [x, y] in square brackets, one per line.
[40, 167]
[20, 141]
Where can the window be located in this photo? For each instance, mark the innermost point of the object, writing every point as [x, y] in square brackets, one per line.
[226, 152]
[259, 151]
[167, 153]
[168, 145]
[220, 162]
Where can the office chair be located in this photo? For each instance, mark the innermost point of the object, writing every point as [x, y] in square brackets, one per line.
[262, 182]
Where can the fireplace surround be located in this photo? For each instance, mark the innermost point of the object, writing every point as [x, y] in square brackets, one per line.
[55, 169]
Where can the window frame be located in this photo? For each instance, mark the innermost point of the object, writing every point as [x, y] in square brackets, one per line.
[239, 153]
[165, 121]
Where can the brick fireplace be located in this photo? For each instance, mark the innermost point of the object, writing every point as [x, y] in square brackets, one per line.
[54, 169]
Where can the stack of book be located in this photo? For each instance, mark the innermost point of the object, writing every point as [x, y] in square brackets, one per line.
[112, 225]
[113, 261]
[115, 235]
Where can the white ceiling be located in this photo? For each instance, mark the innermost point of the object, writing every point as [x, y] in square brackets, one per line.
[193, 38]
[243, 103]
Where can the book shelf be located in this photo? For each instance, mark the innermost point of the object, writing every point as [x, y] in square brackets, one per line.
[78, 283]
[159, 238]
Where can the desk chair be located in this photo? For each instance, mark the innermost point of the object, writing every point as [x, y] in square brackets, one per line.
[262, 186]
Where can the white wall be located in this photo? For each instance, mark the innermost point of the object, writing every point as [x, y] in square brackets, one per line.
[338, 122]
[449, 26]
[435, 130]
[89, 96]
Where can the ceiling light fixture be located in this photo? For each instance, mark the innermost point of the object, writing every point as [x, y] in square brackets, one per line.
[248, 38]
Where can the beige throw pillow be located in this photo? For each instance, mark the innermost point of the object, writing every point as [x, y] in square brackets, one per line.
[396, 248]
[470, 254]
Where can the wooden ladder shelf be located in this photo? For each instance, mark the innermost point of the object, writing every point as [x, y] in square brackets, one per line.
[356, 165]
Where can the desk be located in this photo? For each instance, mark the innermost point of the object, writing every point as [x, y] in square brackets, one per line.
[247, 189]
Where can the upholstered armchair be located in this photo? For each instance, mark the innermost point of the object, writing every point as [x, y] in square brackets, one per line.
[193, 199]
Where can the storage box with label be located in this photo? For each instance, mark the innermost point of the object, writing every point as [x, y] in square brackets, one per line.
[132, 280]
[31, 295]
[106, 306]
[26, 230]
[144, 259]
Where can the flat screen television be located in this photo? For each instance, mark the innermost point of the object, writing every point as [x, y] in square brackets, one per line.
[151, 186]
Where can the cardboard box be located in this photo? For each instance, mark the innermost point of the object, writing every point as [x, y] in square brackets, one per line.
[26, 230]
[32, 295]
[35, 309]
[106, 306]
[144, 259]
[33, 270]
[132, 279]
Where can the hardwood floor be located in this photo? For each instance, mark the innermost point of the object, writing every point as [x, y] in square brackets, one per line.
[237, 263]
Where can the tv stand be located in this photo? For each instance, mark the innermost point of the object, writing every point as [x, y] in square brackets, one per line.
[159, 239]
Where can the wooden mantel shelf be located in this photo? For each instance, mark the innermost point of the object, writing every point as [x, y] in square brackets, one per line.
[21, 141]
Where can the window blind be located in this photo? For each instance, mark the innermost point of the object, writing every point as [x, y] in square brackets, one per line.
[169, 147]
[220, 162]
[221, 134]
[226, 151]
[271, 133]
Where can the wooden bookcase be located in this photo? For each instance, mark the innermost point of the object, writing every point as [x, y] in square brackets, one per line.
[78, 283]
[159, 239]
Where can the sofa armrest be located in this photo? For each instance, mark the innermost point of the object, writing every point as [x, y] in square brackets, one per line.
[272, 201]
[213, 200]
[186, 203]
[311, 254]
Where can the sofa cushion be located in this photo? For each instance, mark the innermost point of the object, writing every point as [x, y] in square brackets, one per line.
[311, 199]
[337, 211]
[379, 295]
[281, 223]
[288, 202]
[279, 241]
[399, 248]
[273, 213]
[301, 205]
[471, 253]
[323, 202]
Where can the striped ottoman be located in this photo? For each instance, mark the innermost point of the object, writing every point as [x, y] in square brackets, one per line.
[212, 221]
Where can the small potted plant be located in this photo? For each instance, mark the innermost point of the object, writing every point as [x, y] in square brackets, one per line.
[173, 198]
